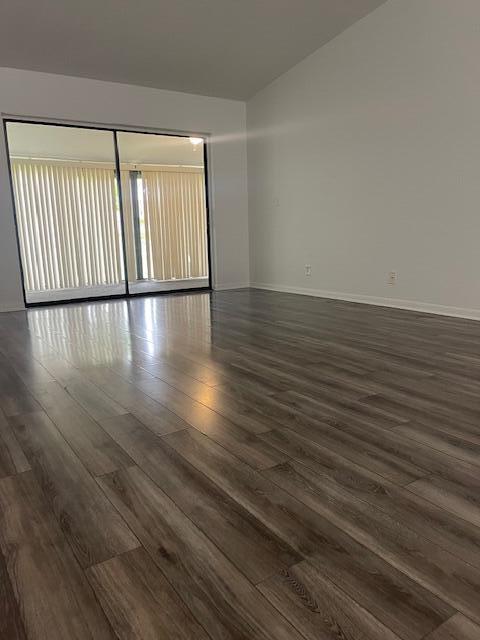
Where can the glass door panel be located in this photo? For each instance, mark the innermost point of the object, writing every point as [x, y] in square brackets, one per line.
[164, 205]
[67, 211]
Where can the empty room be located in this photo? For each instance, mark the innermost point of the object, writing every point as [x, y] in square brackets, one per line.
[240, 320]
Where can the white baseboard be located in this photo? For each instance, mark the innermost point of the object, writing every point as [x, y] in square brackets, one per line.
[233, 285]
[396, 303]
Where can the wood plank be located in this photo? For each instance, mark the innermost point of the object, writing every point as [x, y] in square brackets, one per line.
[396, 600]
[457, 628]
[94, 401]
[351, 441]
[331, 368]
[139, 602]
[319, 408]
[21, 360]
[319, 609]
[12, 458]
[151, 413]
[437, 570]
[55, 598]
[11, 625]
[436, 524]
[451, 445]
[236, 410]
[14, 395]
[14, 404]
[284, 516]
[338, 555]
[356, 445]
[196, 370]
[431, 389]
[124, 368]
[461, 478]
[89, 522]
[250, 545]
[391, 446]
[452, 423]
[94, 447]
[449, 496]
[306, 381]
[194, 397]
[238, 440]
[220, 597]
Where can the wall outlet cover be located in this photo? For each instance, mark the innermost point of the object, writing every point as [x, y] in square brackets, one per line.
[392, 277]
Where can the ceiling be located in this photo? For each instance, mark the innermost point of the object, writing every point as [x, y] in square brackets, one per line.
[70, 143]
[224, 48]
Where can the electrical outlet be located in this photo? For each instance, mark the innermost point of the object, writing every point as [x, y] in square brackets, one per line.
[392, 277]
[308, 270]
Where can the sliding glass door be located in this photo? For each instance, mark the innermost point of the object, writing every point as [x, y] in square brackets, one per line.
[87, 230]
[163, 187]
[67, 211]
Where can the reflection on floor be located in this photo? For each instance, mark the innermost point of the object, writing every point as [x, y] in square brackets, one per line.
[242, 464]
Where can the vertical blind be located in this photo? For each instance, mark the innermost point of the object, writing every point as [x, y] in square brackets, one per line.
[69, 224]
[175, 224]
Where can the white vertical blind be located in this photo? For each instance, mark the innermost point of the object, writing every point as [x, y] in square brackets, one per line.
[68, 224]
[175, 224]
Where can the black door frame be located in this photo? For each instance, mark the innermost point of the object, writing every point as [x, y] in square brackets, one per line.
[114, 131]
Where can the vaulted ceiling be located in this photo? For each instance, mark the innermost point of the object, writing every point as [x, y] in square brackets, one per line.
[224, 48]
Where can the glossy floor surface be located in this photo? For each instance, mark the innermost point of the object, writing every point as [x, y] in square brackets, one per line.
[244, 464]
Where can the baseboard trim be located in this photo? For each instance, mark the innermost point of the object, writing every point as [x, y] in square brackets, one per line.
[233, 285]
[395, 303]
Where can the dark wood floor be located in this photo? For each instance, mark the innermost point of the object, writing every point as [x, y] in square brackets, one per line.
[242, 465]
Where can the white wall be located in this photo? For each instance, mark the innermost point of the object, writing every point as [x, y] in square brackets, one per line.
[39, 95]
[365, 158]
